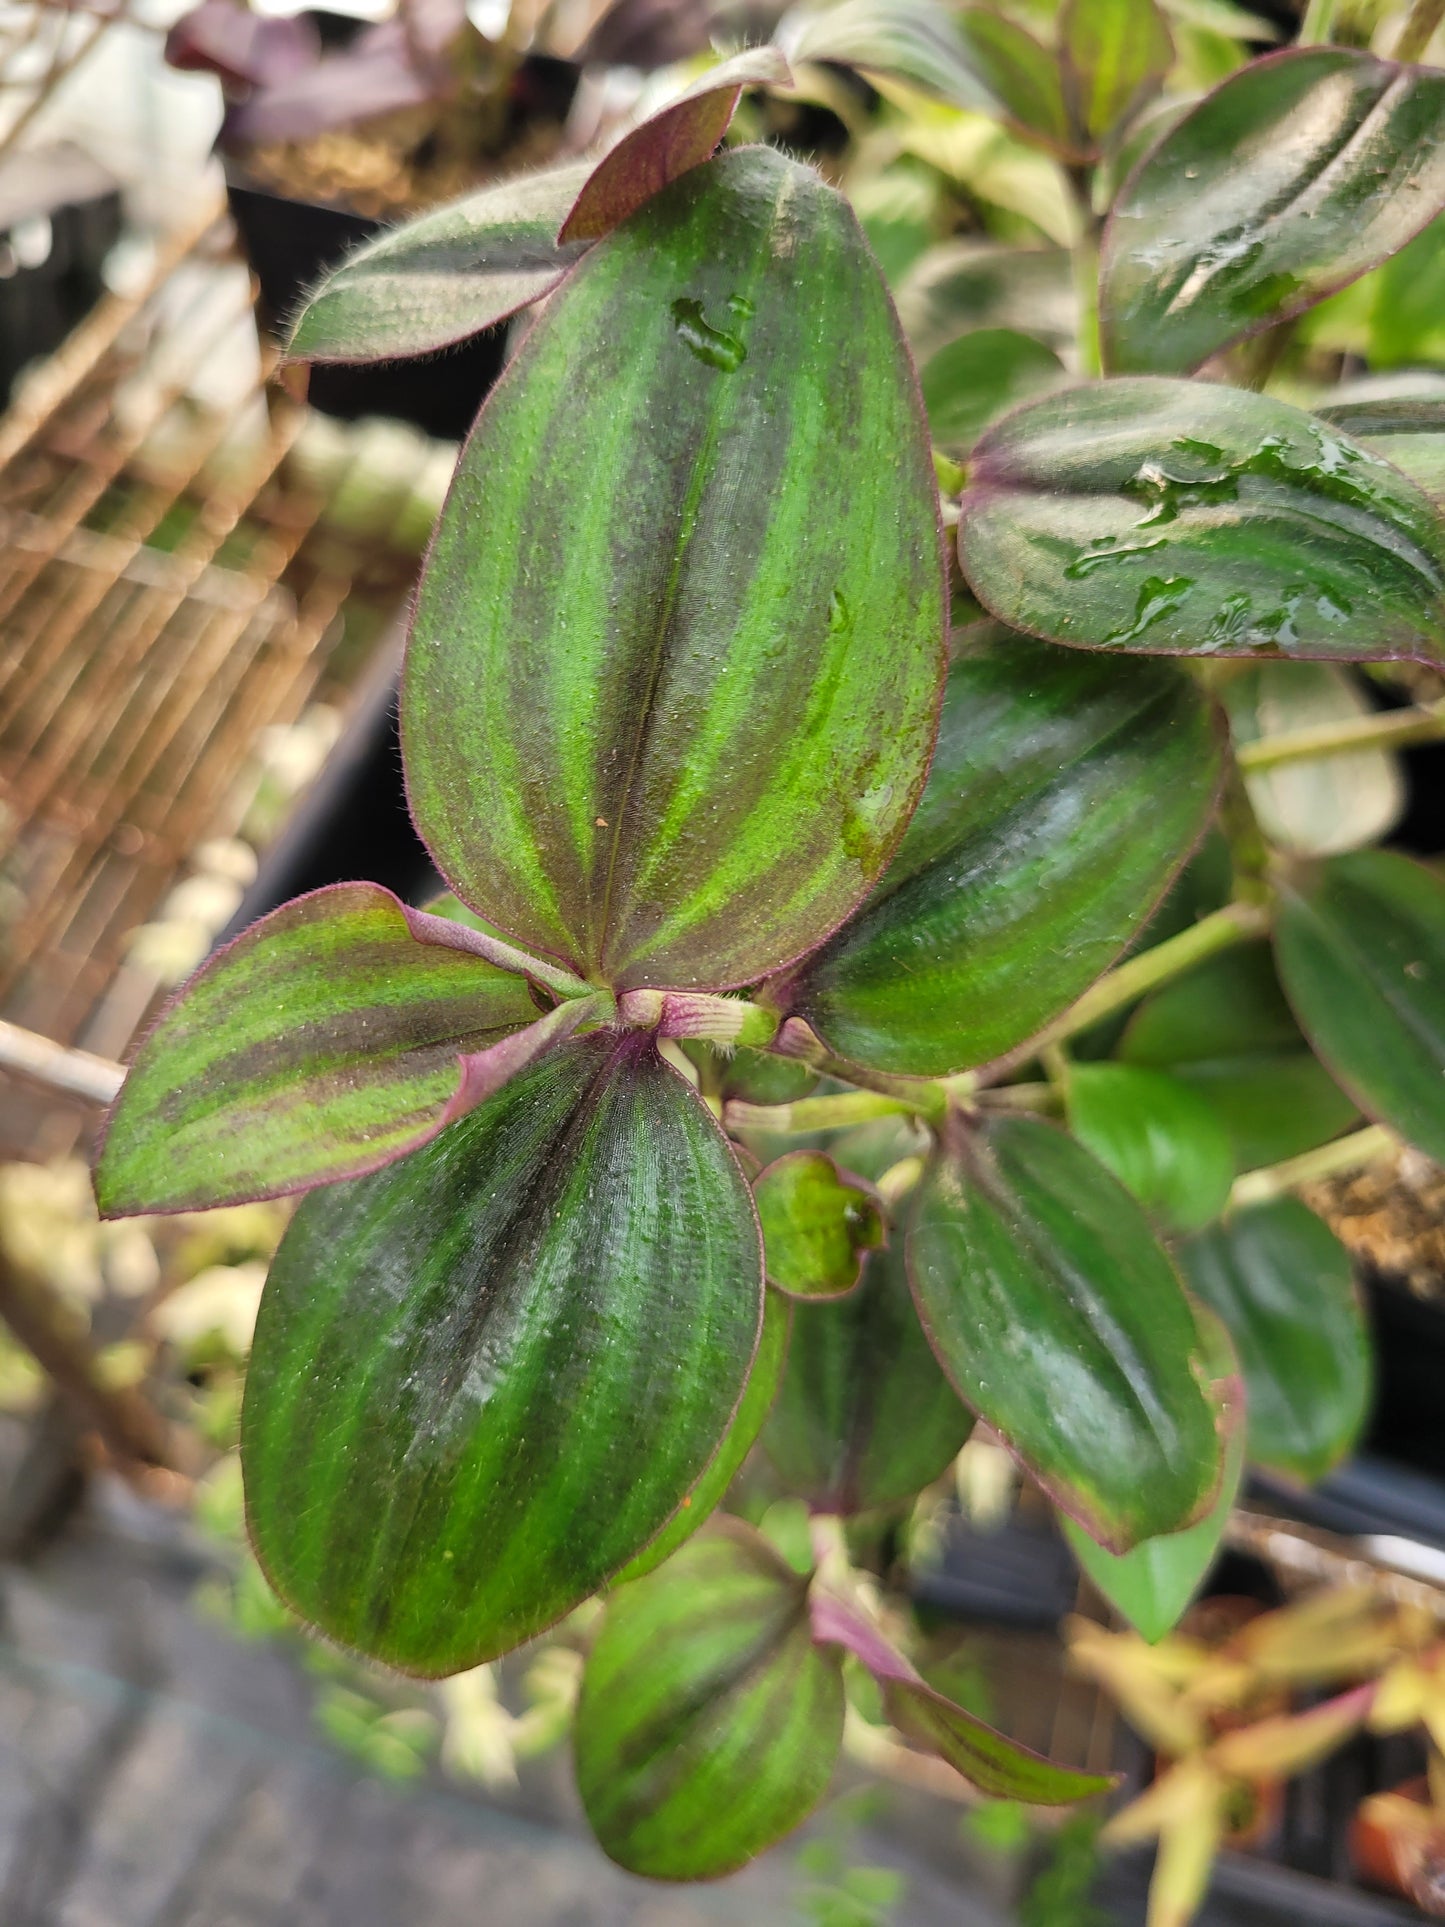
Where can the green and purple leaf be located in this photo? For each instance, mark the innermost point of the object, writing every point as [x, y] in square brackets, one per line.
[681, 135]
[817, 1225]
[1360, 944]
[914, 41]
[1283, 1286]
[1059, 1318]
[1184, 518]
[695, 415]
[1116, 54]
[322, 1043]
[1152, 1584]
[1293, 177]
[1164, 1142]
[710, 1490]
[709, 1723]
[1065, 791]
[864, 1417]
[484, 1379]
[1020, 73]
[444, 276]
[1409, 432]
[1226, 1030]
[993, 1763]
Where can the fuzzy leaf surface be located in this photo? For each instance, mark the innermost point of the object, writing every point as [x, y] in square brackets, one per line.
[1185, 518]
[444, 276]
[864, 1417]
[695, 414]
[1152, 1584]
[709, 1723]
[1360, 944]
[483, 1379]
[679, 136]
[1065, 791]
[1283, 1286]
[1293, 177]
[1060, 1319]
[322, 1043]
[817, 1225]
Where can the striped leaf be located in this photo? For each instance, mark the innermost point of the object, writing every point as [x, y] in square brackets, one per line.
[1360, 943]
[1410, 433]
[322, 1043]
[1289, 180]
[1062, 1322]
[483, 1379]
[1176, 518]
[709, 1723]
[864, 1417]
[448, 274]
[679, 136]
[1064, 792]
[657, 527]
[817, 1225]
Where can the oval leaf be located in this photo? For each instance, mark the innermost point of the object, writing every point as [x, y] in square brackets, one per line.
[694, 414]
[680, 136]
[864, 1417]
[1059, 1318]
[320, 1044]
[1182, 518]
[1409, 432]
[1361, 951]
[1116, 54]
[1063, 794]
[1162, 1140]
[1283, 1285]
[482, 1380]
[816, 1225]
[709, 1723]
[909, 40]
[973, 379]
[1152, 1585]
[1297, 174]
[707, 1495]
[1328, 803]
[1020, 73]
[448, 274]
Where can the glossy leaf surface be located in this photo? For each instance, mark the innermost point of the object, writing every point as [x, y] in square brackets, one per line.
[679, 136]
[817, 1225]
[1058, 1316]
[1297, 174]
[757, 1401]
[320, 1044]
[1162, 1140]
[1282, 1284]
[1064, 791]
[1184, 518]
[1361, 950]
[1409, 433]
[994, 1763]
[694, 415]
[864, 1417]
[483, 1379]
[1116, 53]
[971, 380]
[1329, 803]
[448, 274]
[1151, 1585]
[1226, 1030]
[709, 1723]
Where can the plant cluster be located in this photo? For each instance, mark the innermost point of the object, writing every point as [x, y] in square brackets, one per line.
[767, 1067]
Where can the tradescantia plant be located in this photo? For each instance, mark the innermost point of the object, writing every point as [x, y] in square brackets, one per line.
[767, 1071]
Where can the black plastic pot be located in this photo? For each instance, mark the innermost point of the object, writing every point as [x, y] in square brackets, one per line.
[60, 215]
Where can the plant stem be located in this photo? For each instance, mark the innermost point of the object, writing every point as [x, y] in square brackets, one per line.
[73, 1073]
[1393, 729]
[925, 1096]
[1419, 29]
[125, 1419]
[1353, 1153]
[1085, 256]
[1021, 1097]
[1220, 930]
[836, 1113]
